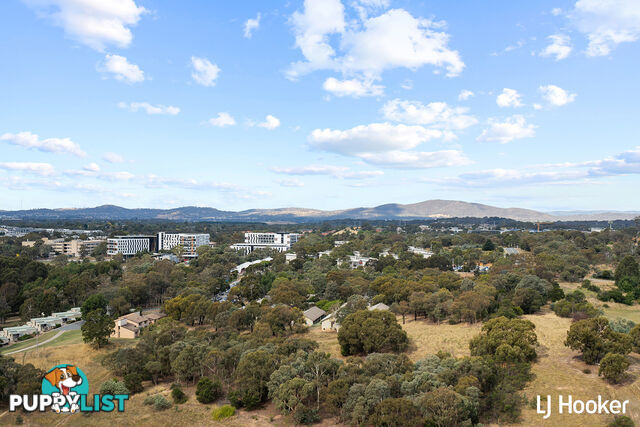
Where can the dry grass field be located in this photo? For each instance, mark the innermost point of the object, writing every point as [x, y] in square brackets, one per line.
[558, 370]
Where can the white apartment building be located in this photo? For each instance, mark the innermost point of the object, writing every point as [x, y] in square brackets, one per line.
[131, 245]
[280, 242]
[190, 242]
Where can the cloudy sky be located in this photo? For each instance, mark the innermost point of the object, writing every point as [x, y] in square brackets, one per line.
[319, 103]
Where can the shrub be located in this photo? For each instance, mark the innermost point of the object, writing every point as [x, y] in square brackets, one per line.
[621, 421]
[223, 412]
[208, 391]
[159, 402]
[613, 367]
[178, 395]
[133, 382]
[113, 387]
[623, 326]
[25, 337]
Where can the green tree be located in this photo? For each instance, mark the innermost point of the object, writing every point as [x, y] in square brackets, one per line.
[396, 412]
[627, 275]
[516, 334]
[97, 328]
[366, 331]
[613, 366]
[208, 391]
[488, 245]
[94, 302]
[594, 338]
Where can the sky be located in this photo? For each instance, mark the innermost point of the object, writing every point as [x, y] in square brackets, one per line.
[326, 104]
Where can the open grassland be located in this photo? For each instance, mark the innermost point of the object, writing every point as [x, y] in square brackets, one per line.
[558, 370]
[424, 338]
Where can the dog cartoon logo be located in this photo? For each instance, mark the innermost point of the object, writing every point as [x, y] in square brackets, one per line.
[65, 380]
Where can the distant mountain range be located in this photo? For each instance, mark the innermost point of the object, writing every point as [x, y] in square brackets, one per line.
[430, 209]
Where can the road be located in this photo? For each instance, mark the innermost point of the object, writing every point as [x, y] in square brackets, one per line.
[61, 330]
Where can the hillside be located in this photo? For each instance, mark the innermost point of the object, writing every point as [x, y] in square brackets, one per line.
[429, 209]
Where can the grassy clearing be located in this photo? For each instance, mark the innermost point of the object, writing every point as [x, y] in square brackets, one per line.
[558, 370]
[424, 338]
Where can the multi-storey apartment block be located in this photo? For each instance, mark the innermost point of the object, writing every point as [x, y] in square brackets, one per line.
[190, 242]
[131, 245]
[280, 242]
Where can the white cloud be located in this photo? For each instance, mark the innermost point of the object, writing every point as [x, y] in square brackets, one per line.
[509, 98]
[251, 25]
[340, 172]
[95, 23]
[222, 120]
[51, 145]
[312, 28]
[204, 72]
[514, 127]
[556, 96]
[436, 114]
[121, 69]
[37, 168]
[375, 137]
[465, 95]
[270, 122]
[355, 88]
[607, 23]
[417, 159]
[150, 109]
[291, 183]
[92, 167]
[113, 158]
[556, 11]
[560, 47]
[626, 163]
[369, 47]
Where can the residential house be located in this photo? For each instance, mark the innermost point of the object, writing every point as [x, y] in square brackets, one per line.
[313, 315]
[379, 306]
[129, 325]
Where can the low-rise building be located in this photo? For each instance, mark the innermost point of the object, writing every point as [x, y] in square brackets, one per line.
[313, 315]
[330, 323]
[379, 306]
[43, 324]
[356, 260]
[129, 325]
[290, 257]
[425, 253]
[15, 332]
[131, 245]
[66, 316]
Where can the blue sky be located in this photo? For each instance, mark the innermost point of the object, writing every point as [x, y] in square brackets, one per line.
[324, 104]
